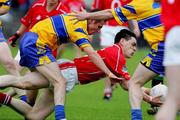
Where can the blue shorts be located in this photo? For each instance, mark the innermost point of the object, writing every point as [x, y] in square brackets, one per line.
[2, 39]
[154, 59]
[33, 55]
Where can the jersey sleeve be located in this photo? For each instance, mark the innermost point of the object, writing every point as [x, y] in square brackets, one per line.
[80, 36]
[125, 13]
[27, 19]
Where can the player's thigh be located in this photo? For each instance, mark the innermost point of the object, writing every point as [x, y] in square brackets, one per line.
[142, 75]
[44, 105]
[34, 80]
[50, 71]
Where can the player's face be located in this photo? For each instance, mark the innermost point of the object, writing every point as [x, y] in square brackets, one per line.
[94, 26]
[129, 47]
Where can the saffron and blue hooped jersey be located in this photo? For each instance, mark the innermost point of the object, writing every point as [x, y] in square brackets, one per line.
[60, 29]
[6, 5]
[147, 14]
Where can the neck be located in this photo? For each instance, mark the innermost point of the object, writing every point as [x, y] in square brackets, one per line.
[51, 6]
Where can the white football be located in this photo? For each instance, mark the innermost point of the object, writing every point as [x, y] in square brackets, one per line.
[159, 90]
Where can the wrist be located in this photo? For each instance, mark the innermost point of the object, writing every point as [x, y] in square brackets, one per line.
[17, 35]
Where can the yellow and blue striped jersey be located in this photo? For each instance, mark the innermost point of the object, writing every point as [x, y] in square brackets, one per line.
[147, 14]
[60, 29]
[5, 4]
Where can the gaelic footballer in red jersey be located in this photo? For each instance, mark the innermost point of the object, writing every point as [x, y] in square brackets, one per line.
[109, 31]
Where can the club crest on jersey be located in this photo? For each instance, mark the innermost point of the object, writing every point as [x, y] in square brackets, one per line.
[124, 69]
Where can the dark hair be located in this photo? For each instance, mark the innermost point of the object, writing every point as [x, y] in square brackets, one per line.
[124, 33]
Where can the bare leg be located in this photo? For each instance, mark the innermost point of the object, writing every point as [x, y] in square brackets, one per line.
[33, 80]
[51, 72]
[43, 106]
[9, 63]
[107, 89]
[139, 78]
[172, 104]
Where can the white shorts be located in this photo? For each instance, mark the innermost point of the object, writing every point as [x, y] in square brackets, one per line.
[17, 57]
[172, 47]
[70, 74]
[108, 34]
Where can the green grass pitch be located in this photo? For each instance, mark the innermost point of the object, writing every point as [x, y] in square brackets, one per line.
[85, 101]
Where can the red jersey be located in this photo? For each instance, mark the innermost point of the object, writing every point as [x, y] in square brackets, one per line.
[74, 4]
[113, 58]
[38, 12]
[170, 13]
[108, 4]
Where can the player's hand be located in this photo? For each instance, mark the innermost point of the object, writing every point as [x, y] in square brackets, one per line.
[13, 39]
[79, 15]
[114, 79]
[156, 101]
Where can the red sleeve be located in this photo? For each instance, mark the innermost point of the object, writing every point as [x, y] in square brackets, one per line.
[64, 8]
[97, 4]
[26, 20]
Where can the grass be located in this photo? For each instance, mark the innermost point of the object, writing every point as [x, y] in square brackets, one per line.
[85, 101]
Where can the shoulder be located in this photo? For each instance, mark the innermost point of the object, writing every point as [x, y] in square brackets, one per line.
[38, 3]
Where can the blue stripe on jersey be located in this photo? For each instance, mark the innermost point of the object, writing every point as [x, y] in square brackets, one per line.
[120, 14]
[130, 8]
[60, 28]
[82, 41]
[150, 22]
[81, 31]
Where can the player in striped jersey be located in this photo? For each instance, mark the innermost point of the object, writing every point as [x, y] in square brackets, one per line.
[37, 45]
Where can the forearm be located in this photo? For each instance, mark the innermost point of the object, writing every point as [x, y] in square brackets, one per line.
[100, 15]
[99, 62]
[21, 29]
[96, 59]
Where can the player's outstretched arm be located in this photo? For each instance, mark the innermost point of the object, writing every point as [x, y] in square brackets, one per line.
[100, 15]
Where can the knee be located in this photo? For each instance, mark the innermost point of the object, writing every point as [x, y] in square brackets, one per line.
[134, 83]
[25, 85]
[59, 82]
[33, 116]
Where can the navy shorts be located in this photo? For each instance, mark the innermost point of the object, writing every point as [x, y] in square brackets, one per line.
[154, 59]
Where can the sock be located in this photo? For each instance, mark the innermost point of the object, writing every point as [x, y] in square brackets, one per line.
[5, 99]
[23, 98]
[59, 112]
[136, 114]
